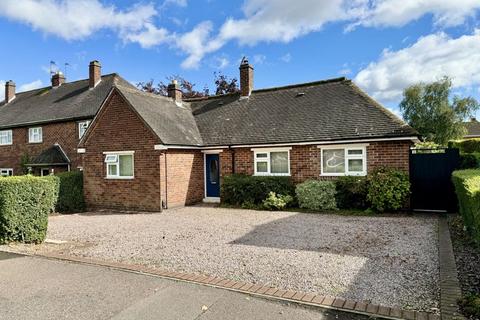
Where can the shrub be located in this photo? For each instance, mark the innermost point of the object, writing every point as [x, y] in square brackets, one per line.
[316, 195]
[466, 146]
[70, 197]
[388, 189]
[277, 202]
[467, 188]
[25, 203]
[470, 306]
[239, 189]
[470, 160]
[351, 192]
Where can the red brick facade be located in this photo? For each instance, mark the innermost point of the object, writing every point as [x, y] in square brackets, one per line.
[64, 133]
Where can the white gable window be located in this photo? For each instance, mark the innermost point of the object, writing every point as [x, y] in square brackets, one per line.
[343, 160]
[119, 165]
[82, 128]
[272, 162]
[6, 137]
[6, 172]
[35, 135]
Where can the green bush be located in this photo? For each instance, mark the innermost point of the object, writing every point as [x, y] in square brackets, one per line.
[467, 188]
[316, 195]
[70, 197]
[466, 146]
[388, 189]
[277, 202]
[470, 306]
[351, 192]
[25, 202]
[470, 160]
[243, 190]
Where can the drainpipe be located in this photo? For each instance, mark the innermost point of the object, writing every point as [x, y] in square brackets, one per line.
[166, 183]
[233, 159]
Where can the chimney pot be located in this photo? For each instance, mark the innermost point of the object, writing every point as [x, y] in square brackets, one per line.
[246, 78]
[9, 91]
[58, 79]
[95, 73]
[174, 91]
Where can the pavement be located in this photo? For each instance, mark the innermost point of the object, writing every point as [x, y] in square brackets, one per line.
[40, 288]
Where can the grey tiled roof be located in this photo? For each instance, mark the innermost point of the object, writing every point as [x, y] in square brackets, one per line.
[320, 111]
[473, 128]
[172, 123]
[72, 100]
[50, 156]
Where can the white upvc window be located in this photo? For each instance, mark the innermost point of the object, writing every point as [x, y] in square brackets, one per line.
[343, 160]
[6, 137]
[119, 165]
[272, 161]
[35, 135]
[6, 172]
[82, 128]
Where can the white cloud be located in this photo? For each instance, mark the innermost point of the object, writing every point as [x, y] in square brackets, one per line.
[428, 59]
[151, 36]
[345, 71]
[286, 57]
[259, 58]
[2, 90]
[446, 13]
[30, 86]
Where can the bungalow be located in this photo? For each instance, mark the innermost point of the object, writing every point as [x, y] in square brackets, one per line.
[148, 152]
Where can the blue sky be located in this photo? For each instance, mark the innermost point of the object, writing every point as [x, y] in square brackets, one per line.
[383, 45]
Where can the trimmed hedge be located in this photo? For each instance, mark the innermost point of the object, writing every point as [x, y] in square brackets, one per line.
[351, 192]
[25, 202]
[388, 189]
[467, 188]
[470, 160]
[316, 195]
[466, 146]
[244, 190]
[70, 195]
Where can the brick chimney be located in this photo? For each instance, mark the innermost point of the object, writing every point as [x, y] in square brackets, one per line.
[246, 78]
[174, 91]
[9, 91]
[95, 73]
[58, 79]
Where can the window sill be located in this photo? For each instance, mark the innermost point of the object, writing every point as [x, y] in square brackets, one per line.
[35, 142]
[272, 175]
[342, 175]
[119, 178]
[6, 144]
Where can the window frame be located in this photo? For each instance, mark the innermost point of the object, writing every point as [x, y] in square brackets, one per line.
[347, 157]
[80, 126]
[9, 135]
[7, 170]
[267, 159]
[116, 163]
[30, 134]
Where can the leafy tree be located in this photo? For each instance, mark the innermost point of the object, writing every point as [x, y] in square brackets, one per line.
[429, 108]
[223, 85]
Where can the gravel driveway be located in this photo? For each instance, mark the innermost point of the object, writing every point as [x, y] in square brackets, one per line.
[391, 261]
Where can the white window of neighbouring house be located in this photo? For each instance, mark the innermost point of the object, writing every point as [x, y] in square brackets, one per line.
[6, 137]
[343, 160]
[272, 162]
[35, 135]
[82, 128]
[6, 172]
[119, 165]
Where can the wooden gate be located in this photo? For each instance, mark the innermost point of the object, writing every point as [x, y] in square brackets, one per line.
[431, 179]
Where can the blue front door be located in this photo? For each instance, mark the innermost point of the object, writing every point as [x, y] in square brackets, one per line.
[212, 168]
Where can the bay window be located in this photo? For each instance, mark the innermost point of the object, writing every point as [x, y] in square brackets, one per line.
[119, 165]
[343, 160]
[272, 162]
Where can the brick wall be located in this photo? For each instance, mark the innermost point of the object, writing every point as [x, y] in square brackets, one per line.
[305, 160]
[184, 177]
[63, 133]
[118, 128]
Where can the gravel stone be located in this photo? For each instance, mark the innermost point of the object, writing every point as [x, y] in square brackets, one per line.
[386, 260]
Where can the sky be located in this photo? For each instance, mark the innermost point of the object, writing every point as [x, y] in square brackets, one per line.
[382, 45]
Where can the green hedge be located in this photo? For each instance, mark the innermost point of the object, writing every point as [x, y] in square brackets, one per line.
[466, 146]
[351, 192]
[470, 160]
[70, 197]
[316, 195]
[467, 187]
[25, 203]
[244, 190]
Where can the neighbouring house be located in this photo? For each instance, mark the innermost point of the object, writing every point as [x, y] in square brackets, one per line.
[148, 152]
[40, 129]
[473, 129]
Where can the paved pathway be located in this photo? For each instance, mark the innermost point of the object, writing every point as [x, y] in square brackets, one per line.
[38, 288]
